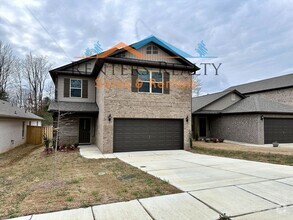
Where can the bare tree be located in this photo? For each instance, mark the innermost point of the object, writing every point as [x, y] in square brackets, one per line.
[196, 91]
[35, 70]
[6, 68]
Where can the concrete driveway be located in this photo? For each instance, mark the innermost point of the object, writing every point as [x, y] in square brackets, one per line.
[237, 188]
[213, 187]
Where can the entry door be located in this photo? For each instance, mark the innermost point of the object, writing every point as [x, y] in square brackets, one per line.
[202, 127]
[84, 130]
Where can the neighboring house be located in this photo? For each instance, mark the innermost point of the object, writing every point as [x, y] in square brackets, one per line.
[278, 89]
[116, 118]
[260, 112]
[13, 123]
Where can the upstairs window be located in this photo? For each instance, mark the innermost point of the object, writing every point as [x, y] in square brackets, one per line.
[152, 82]
[75, 88]
[152, 50]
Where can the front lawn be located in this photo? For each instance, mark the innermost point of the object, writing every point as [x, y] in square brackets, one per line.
[278, 155]
[27, 186]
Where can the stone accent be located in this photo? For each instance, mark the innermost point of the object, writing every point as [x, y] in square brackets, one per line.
[123, 103]
[69, 130]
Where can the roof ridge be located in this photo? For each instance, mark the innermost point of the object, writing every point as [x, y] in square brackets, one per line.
[261, 80]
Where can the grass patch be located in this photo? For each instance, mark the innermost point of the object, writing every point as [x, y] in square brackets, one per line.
[27, 185]
[267, 157]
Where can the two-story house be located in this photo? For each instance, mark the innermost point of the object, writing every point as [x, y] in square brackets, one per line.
[132, 98]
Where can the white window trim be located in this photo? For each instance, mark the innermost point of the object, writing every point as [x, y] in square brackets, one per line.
[75, 88]
[150, 84]
[151, 49]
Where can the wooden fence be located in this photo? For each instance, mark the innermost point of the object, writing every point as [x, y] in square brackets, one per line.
[35, 134]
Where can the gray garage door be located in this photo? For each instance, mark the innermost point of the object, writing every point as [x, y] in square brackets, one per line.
[147, 134]
[277, 129]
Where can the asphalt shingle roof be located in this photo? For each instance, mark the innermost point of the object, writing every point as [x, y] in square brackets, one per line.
[256, 104]
[266, 84]
[73, 107]
[7, 110]
[202, 101]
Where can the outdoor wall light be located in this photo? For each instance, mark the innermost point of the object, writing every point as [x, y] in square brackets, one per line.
[110, 117]
[186, 119]
[261, 117]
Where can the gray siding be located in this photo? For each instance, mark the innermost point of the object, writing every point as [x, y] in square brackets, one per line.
[91, 89]
[281, 95]
[224, 102]
[161, 56]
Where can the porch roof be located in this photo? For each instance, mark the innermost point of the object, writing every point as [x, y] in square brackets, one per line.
[73, 107]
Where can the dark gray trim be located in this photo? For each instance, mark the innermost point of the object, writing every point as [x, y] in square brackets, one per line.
[148, 63]
[66, 87]
[167, 83]
[84, 89]
[134, 77]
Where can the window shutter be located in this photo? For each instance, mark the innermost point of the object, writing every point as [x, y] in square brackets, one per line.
[66, 87]
[85, 89]
[166, 83]
[134, 77]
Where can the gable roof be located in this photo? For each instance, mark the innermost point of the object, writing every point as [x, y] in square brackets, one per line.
[258, 105]
[202, 101]
[110, 55]
[161, 43]
[279, 82]
[7, 110]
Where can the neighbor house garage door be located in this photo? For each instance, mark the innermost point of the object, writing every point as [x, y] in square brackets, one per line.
[147, 134]
[277, 129]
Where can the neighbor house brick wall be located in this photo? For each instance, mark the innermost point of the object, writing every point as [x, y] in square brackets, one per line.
[243, 128]
[281, 95]
[123, 103]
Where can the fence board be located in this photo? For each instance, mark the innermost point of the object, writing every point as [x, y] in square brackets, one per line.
[35, 134]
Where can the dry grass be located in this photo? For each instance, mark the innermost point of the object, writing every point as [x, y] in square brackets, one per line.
[27, 186]
[277, 155]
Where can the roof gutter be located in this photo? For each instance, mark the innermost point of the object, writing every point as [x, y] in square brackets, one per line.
[155, 64]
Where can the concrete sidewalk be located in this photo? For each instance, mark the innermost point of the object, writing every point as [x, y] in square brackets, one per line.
[176, 206]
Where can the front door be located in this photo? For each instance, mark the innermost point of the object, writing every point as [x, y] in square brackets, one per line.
[202, 127]
[84, 130]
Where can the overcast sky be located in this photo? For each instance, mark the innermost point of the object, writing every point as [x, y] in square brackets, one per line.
[252, 39]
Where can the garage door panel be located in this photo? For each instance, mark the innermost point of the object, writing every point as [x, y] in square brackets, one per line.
[278, 129]
[147, 134]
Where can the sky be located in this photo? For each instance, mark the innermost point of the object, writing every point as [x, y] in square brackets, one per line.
[253, 39]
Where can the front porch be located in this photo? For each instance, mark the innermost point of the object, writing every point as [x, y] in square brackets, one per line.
[93, 152]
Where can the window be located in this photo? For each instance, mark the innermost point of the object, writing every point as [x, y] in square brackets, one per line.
[75, 88]
[23, 127]
[152, 82]
[152, 50]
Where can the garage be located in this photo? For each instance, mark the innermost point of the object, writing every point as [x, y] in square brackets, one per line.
[278, 129]
[147, 134]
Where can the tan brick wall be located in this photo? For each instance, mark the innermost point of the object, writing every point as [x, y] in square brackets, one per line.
[123, 103]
